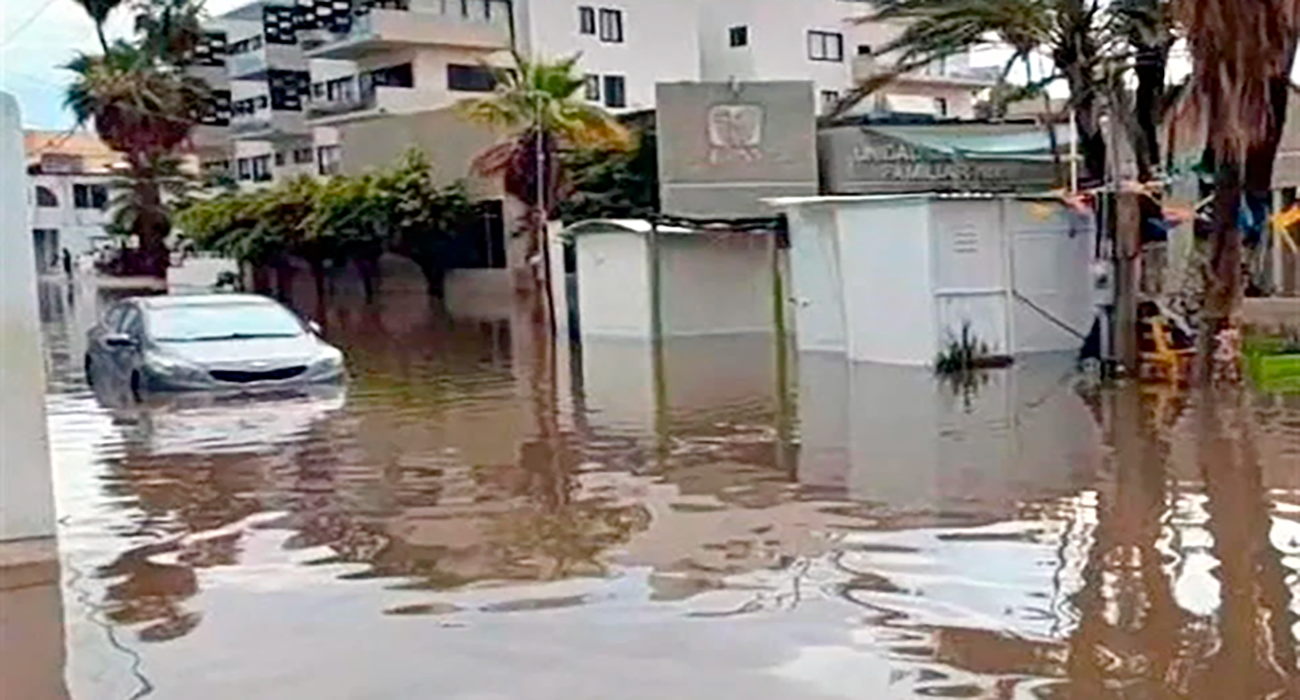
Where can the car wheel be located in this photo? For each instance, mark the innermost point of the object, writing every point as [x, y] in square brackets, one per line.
[90, 372]
[136, 392]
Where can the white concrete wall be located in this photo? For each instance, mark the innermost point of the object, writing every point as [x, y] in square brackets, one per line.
[1050, 260]
[79, 229]
[816, 280]
[886, 264]
[26, 488]
[660, 41]
[613, 285]
[716, 285]
[971, 274]
[778, 47]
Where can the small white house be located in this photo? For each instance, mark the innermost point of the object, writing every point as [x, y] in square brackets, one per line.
[890, 278]
[638, 281]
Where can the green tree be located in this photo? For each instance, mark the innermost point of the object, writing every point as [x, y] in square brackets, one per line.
[98, 11]
[425, 221]
[144, 105]
[617, 184]
[539, 107]
[1242, 56]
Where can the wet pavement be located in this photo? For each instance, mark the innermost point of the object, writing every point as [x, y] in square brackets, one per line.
[480, 515]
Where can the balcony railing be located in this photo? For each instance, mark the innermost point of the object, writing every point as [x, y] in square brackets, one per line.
[356, 93]
[868, 67]
[471, 23]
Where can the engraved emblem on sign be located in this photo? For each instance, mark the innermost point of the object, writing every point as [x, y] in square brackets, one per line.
[735, 133]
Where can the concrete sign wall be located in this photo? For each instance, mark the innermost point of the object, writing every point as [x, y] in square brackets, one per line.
[723, 147]
[857, 160]
[26, 493]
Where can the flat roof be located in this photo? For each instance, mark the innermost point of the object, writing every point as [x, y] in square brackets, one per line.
[622, 226]
[247, 11]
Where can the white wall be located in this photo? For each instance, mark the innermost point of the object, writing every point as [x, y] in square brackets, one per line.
[79, 229]
[716, 285]
[613, 285]
[26, 488]
[1050, 261]
[971, 274]
[816, 283]
[885, 249]
[660, 41]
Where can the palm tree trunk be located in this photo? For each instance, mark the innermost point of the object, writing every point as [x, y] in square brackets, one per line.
[103, 40]
[1223, 276]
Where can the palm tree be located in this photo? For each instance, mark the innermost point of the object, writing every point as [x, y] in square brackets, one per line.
[1242, 57]
[1064, 29]
[538, 107]
[99, 10]
[144, 110]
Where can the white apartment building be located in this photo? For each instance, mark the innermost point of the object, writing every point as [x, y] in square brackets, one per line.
[824, 41]
[298, 76]
[67, 195]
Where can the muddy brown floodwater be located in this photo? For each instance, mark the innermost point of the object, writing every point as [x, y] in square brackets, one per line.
[478, 515]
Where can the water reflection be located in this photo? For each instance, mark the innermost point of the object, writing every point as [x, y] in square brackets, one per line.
[1021, 537]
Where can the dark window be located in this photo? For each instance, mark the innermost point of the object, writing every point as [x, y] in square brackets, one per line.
[471, 78]
[864, 49]
[586, 20]
[133, 323]
[113, 319]
[328, 159]
[739, 36]
[941, 106]
[279, 158]
[611, 25]
[302, 155]
[261, 168]
[90, 196]
[484, 236]
[825, 46]
[615, 91]
[394, 76]
[245, 169]
[829, 98]
[45, 198]
[592, 87]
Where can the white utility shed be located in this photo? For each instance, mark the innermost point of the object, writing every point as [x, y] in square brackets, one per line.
[889, 278]
[631, 276]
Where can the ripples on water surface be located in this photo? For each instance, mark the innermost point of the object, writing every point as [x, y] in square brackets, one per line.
[478, 516]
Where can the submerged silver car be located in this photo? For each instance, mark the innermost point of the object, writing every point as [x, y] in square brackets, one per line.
[211, 342]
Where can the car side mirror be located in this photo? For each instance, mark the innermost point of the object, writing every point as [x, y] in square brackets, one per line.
[315, 327]
[119, 340]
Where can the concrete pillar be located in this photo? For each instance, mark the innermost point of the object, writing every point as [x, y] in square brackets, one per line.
[31, 608]
[26, 491]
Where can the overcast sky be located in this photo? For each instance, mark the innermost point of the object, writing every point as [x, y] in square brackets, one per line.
[38, 36]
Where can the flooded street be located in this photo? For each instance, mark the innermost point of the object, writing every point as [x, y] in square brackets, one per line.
[478, 515]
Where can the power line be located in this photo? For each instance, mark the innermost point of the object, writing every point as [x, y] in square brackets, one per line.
[26, 23]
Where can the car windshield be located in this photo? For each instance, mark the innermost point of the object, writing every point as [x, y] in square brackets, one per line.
[224, 322]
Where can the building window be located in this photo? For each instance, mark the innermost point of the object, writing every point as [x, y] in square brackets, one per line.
[611, 25]
[261, 168]
[45, 198]
[865, 50]
[471, 78]
[90, 196]
[245, 169]
[592, 87]
[302, 156]
[825, 46]
[738, 36]
[279, 159]
[941, 106]
[328, 159]
[829, 99]
[615, 91]
[586, 20]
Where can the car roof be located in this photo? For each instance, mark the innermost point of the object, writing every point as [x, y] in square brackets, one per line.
[193, 300]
